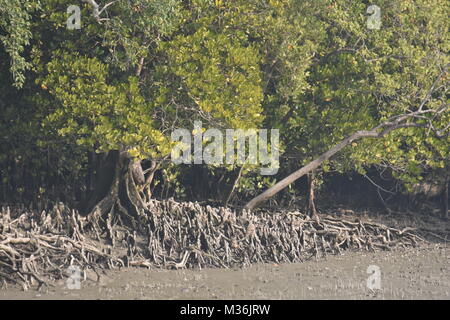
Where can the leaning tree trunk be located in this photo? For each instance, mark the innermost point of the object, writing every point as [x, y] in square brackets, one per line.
[394, 123]
[304, 170]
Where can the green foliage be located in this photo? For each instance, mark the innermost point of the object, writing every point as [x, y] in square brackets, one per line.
[360, 77]
[96, 113]
[15, 24]
[219, 75]
[309, 68]
[136, 28]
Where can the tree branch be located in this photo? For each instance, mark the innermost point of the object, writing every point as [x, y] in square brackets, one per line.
[96, 11]
[394, 123]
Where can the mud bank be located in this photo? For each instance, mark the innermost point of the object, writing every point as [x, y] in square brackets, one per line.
[412, 273]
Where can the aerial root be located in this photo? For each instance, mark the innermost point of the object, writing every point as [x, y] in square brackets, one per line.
[36, 248]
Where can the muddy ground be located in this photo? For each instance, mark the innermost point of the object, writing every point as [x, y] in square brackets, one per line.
[422, 272]
[411, 273]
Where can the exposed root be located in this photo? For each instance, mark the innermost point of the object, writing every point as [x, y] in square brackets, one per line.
[36, 248]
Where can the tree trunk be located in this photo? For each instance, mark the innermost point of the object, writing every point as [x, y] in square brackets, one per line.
[90, 174]
[104, 179]
[311, 192]
[116, 189]
[235, 184]
[445, 198]
[147, 184]
[302, 171]
[379, 131]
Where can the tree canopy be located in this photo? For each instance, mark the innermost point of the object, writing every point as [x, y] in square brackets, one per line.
[137, 70]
